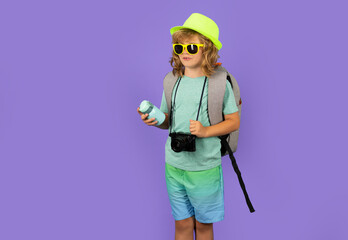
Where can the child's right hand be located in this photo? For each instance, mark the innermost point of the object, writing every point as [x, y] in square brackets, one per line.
[149, 122]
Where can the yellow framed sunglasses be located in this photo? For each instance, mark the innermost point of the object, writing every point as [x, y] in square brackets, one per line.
[191, 48]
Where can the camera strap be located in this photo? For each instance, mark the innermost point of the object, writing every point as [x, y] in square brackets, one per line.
[171, 109]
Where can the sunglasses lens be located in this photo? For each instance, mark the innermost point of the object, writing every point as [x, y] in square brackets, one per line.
[178, 49]
[192, 48]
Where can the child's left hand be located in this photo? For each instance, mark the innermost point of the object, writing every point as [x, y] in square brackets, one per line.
[196, 128]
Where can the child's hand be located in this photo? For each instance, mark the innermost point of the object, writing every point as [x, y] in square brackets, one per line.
[196, 128]
[149, 122]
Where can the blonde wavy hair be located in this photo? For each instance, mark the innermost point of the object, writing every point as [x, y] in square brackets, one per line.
[210, 52]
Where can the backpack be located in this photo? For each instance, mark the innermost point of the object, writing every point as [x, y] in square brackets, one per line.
[216, 91]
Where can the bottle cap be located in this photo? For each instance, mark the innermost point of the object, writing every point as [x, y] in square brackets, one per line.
[144, 106]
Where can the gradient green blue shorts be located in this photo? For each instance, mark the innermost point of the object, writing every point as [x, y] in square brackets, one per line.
[199, 193]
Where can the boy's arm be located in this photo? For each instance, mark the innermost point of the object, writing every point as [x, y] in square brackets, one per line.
[164, 125]
[230, 124]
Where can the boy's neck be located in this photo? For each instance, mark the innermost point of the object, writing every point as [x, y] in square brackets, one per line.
[193, 72]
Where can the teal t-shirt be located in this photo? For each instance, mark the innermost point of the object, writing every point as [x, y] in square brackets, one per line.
[207, 154]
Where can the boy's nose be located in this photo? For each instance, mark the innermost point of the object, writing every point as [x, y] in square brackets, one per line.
[185, 52]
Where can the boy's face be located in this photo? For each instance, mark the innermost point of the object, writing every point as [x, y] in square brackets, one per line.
[188, 60]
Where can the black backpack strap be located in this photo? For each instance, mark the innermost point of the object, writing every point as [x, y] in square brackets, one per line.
[236, 169]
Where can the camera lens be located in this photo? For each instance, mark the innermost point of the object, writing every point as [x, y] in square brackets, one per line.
[176, 145]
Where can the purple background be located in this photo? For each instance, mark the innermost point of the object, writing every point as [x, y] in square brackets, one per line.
[78, 163]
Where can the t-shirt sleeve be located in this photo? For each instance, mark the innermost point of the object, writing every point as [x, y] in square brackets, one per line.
[164, 107]
[229, 105]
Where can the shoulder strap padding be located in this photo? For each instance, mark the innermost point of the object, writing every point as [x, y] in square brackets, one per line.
[168, 85]
[216, 93]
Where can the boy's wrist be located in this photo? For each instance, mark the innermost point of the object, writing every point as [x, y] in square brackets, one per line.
[206, 131]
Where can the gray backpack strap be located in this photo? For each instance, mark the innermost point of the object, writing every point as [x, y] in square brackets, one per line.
[218, 84]
[216, 91]
[168, 85]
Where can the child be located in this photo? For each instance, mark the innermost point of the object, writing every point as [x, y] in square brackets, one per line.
[194, 178]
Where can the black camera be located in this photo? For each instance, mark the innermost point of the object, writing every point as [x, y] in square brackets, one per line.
[183, 142]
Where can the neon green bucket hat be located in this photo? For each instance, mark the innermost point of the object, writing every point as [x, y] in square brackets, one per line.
[203, 25]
